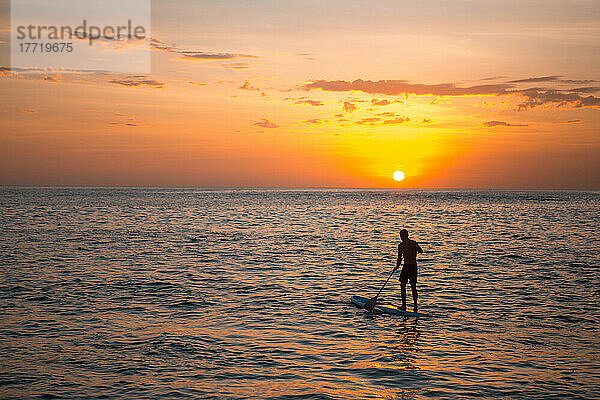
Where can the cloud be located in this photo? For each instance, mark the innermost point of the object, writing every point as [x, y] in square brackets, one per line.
[314, 103]
[138, 81]
[578, 81]
[196, 55]
[265, 123]
[212, 56]
[306, 56]
[387, 114]
[589, 101]
[46, 69]
[247, 86]
[383, 102]
[396, 120]
[128, 124]
[533, 96]
[120, 114]
[397, 87]
[239, 65]
[392, 119]
[305, 100]
[492, 78]
[368, 121]
[8, 73]
[571, 121]
[551, 78]
[15, 70]
[490, 124]
[348, 107]
[588, 89]
[558, 98]
[160, 45]
[126, 120]
[53, 79]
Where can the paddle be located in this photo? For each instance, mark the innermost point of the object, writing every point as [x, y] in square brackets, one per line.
[370, 305]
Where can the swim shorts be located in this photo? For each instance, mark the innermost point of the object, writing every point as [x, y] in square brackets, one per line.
[409, 271]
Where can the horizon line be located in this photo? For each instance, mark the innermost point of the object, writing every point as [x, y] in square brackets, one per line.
[289, 188]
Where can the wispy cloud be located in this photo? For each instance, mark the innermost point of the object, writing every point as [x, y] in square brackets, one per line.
[265, 123]
[348, 106]
[386, 118]
[578, 81]
[571, 121]
[247, 86]
[492, 78]
[558, 98]
[195, 54]
[491, 124]
[314, 103]
[587, 89]
[138, 81]
[534, 97]
[239, 65]
[304, 100]
[387, 114]
[397, 87]
[552, 78]
[52, 78]
[383, 102]
[125, 120]
[368, 121]
[48, 70]
[198, 55]
[127, 124]
[396, 120]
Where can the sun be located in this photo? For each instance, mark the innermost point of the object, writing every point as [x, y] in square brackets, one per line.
[398, 176]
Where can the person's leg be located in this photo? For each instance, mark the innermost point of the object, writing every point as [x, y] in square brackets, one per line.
[403, 280]
[403, 292]
[413, 288]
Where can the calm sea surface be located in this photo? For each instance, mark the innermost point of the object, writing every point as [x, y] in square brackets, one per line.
[171, 293]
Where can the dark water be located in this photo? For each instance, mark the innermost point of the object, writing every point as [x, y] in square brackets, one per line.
[156, 293]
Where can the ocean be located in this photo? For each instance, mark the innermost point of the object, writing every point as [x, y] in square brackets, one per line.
[143, 293]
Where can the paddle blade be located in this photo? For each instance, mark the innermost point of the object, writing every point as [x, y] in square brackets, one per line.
[370, 305]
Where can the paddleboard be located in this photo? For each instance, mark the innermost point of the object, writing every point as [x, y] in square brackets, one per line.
[360, 301]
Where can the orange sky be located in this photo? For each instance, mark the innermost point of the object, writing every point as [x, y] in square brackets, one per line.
[464, 94]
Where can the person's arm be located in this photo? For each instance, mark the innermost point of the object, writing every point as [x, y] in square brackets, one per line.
[419, 249]
[399, 257]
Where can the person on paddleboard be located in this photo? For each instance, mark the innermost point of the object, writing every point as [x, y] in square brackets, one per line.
[408, 250]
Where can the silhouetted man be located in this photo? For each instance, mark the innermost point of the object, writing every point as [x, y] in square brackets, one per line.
[408, 249]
